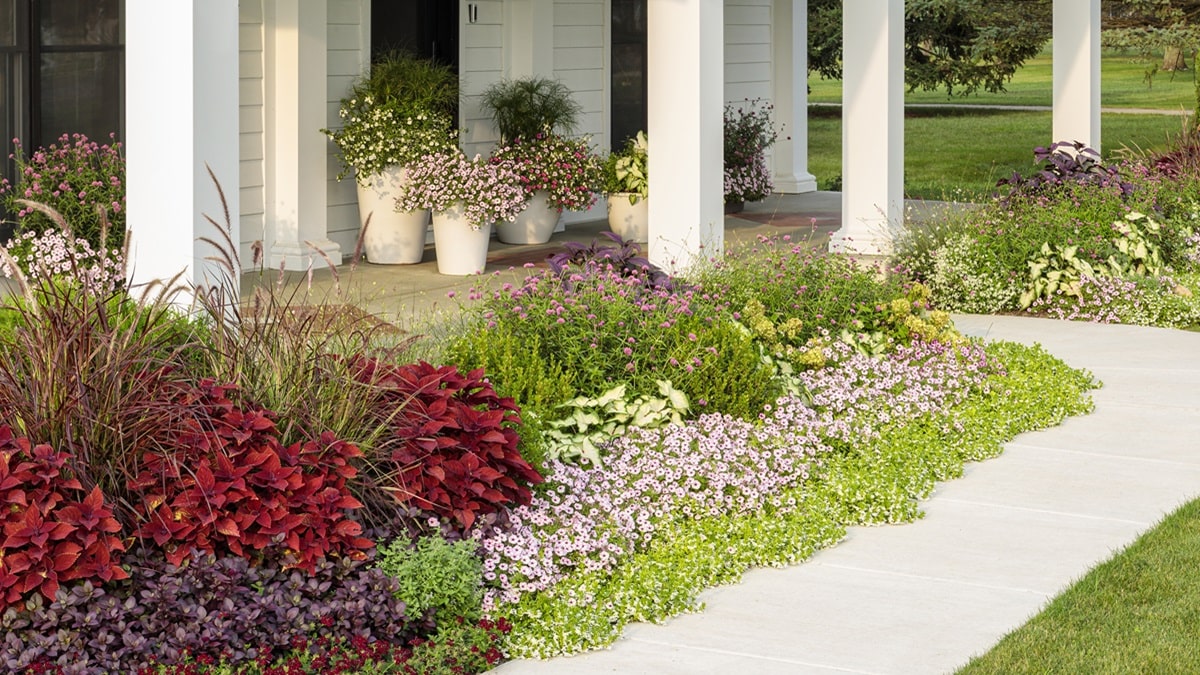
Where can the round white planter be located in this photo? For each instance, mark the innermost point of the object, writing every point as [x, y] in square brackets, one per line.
[631, 222]
[534, 225]
[461, 249]
[393, 237]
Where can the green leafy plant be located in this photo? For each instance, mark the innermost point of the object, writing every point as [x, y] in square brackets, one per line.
[436, 578]
[525, 107]
[1137, 243]
[1057, 270]
[628, 170]
[592, 421]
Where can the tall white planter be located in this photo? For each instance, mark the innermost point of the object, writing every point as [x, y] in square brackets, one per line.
[631, 222]
[534, 225]
[393, 237]
[461, 249]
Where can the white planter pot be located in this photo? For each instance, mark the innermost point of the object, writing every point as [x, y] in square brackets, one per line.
[631, 222]
[461, 249]
[534, 225]
[393, 237]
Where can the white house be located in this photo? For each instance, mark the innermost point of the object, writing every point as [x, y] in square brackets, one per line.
[242, 88]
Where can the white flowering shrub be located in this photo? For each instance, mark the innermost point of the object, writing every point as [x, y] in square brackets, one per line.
[54, 255]
[965, 278]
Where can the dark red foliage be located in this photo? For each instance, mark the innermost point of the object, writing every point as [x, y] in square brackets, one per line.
[231, 487]
[51, 529]
[453, 442]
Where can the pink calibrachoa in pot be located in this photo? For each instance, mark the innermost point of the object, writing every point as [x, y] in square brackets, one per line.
[487, 191]
[566, 168]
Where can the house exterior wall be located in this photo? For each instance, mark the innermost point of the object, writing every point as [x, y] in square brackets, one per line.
[581, 60]
[348, 55]
[251, 167]
[748, 73]
[481, 63]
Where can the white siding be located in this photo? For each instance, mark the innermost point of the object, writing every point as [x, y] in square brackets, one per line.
[348, 51]
[250, 138]
[747, 50]
[581, 58]
[481, 63]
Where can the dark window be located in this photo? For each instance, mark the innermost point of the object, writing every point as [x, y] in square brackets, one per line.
[628, 70]
[62, 71]
[427, 28]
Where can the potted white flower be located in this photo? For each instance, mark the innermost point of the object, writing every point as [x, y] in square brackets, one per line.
[400, 112]
[466, 197]
[626, 179]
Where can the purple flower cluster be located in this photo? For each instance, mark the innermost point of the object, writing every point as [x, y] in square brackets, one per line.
[589, 520]
[76, 176]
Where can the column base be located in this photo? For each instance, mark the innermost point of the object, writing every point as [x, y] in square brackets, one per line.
[299, 257]
[795, 184]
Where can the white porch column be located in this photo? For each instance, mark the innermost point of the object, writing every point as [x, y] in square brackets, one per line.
[531, 38]
[685, 90]
[790, 25]
[1077, 71]
[872, 126]
[181, 100]
[295, 111]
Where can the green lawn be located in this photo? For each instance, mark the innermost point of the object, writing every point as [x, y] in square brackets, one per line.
[960, 154]
[1123, 85]
[1136, 613]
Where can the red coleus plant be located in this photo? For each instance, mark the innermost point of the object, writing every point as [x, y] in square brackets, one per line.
[453, 444]
[232, 487]
[51, 529]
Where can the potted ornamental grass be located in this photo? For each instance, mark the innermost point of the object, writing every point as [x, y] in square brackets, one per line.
[626, 180]
[466, 196]
[749, 131]
[533, 116]
[556, 173]
[398, 113]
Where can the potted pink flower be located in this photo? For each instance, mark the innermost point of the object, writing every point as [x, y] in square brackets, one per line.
[556, 173]
[466, 197]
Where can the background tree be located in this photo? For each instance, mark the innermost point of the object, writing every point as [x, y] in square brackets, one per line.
[957, 45]
[1152, 26]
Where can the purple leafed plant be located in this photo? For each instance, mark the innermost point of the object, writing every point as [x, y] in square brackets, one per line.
[223, 608]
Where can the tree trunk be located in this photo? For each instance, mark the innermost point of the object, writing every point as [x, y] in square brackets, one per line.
[1173, 58]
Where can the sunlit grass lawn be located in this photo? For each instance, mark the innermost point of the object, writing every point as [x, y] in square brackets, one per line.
[1122, 85]
[1137, 613]
[960, 154]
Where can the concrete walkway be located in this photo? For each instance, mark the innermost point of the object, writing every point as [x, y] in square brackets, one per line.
[994, 547]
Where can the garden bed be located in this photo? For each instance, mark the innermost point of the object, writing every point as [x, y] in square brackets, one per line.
[306, 493]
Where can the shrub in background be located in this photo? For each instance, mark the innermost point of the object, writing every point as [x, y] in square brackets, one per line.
[77, 177]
